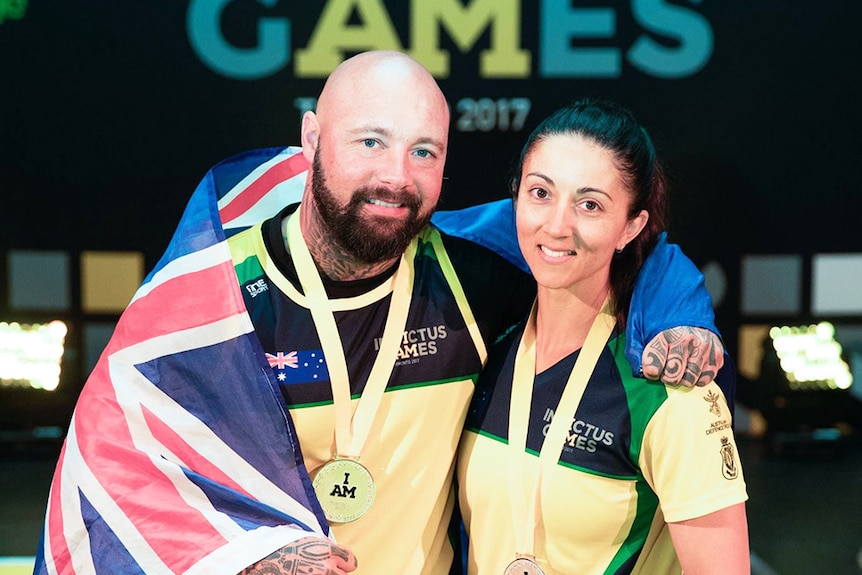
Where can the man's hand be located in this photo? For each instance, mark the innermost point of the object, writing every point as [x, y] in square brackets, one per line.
[683, 355]
[311, 555]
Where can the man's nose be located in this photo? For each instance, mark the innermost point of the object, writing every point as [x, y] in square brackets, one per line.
[395, 170]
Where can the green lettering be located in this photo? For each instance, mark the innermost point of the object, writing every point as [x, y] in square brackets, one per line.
[334, 36]
[465, 24]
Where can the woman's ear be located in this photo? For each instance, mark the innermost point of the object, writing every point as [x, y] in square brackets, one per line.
[634, 227]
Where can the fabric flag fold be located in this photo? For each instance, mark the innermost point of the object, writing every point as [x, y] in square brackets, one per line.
[180, 456]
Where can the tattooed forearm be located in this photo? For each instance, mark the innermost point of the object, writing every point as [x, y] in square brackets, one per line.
[308, 556]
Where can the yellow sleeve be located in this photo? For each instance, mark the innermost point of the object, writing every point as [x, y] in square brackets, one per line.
[689, 455]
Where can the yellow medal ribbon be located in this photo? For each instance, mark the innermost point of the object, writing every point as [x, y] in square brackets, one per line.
[352, 428]
[526, 515]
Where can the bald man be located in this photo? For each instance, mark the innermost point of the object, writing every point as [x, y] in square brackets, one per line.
[377, 146]
[190, 444]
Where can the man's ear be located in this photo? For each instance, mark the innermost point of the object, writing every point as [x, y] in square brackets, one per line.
[309, 134]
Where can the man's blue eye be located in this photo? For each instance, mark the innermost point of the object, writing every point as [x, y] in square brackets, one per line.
[369, 142]
[423, 153]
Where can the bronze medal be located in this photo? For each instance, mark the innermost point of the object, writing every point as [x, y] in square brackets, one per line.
[345, 490]
[523, 566]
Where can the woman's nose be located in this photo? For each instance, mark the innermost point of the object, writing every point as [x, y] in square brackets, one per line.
[561, 220]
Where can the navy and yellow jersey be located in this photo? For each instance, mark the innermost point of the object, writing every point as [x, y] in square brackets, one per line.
[411, 447]
[639, 454]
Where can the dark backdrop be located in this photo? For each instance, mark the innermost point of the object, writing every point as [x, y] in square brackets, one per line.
[110, 116]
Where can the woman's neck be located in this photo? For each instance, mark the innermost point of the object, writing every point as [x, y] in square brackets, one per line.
[563, 320]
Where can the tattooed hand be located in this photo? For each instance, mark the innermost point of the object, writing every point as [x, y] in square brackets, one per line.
[683, 355]
[311, 555]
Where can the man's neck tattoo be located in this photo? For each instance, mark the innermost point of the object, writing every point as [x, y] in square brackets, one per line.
[331, 260]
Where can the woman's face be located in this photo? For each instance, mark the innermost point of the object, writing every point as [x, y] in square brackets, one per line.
[572, 212]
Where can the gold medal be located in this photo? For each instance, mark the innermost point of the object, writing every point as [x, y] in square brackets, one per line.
[523, 566]
[345, 490]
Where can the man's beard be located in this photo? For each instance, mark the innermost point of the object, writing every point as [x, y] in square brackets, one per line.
[368, 240]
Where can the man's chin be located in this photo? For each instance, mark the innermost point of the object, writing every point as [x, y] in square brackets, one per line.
[381, 242]
[388, 241]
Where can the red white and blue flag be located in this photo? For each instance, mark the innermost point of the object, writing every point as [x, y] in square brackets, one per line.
[303, 366]
[180, 456]
[282, 360]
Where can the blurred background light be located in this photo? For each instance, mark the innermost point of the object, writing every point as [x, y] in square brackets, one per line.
[31, 354]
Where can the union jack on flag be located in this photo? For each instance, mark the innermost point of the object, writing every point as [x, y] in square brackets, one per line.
[179, 457]
[280, 360]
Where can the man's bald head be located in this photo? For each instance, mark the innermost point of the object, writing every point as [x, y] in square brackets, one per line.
[381, 75]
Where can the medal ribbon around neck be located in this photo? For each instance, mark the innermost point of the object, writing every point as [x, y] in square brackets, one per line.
[352, 428]
[526, 515]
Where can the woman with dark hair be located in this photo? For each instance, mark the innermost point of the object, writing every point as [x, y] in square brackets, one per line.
[569, 463]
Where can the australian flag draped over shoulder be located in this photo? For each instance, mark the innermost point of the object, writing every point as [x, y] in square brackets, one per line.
[179, 457]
